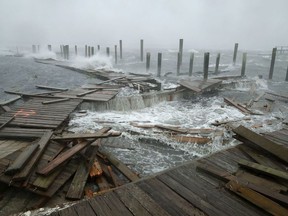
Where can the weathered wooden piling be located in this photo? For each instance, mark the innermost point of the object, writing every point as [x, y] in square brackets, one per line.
[89, 51]
[178, 63]
[243, 68]
[120, 46]
[50, 47]
[66, 51]
[108, 51]
[38, 48]
[217, 63]
[98, 48]
[86, 50]
[274, 51]
[206, 65]
[286, 79]
[148, 56]
[181, 50]
[235, 53]
[159, 64]
[76, 50]
[141, 50]
[191, 64]
[116, 54]
[34, 48]
[92, 51]
[61, 50]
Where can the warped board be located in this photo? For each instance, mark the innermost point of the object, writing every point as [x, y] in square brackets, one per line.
[199, 85]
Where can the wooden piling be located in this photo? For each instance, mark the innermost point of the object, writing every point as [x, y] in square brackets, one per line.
[286, 79]
[38, 48]
[235, 53]
[159, 64]
[141, 50]
[108, 51]
[178, 63]
[120, 46]
[50, 47]
[115, 54]
[148, 56]
[86, 50]
[206, 65]
[67, 50]
[92, 51]
[98, 48]
[34, 48]
[243, 68]
[61, 50]
[64, 51]
[181, 50]
[191, 64]
[76, 51]
[89, 51]
[274, 51]
[217, 63]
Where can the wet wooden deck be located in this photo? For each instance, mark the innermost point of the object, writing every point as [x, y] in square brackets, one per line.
[184, 190]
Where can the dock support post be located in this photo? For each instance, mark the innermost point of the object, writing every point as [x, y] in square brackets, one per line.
[159, 64]
[274, 51]
[98, 48]
[235, 53]
[89, 51]
[191, 64]
[181, 50]
[141, 50]
[178, 63]
[120, 46]
[206, 65]
[286, 79]
[50, 47]
[86, 51]
[107, 51]
[76, 50]
[116, 54]
[92, 51]
[61, 50]
[243, 68]
[217, 63]
[38, 48]
[148, 55]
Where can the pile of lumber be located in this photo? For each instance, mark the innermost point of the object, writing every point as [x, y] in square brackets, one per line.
[263, 182]
[71, 160]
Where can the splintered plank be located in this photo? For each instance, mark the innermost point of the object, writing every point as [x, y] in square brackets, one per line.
[121, 166]
[257, 199]
[2, 103]
[171, 128]
[191, 139]
[76, 188]
[43, 142]
[68, 154]
[242, 109]
[263, 169]
[51, 88]
[262, 142]
[87, 92]
[95, 169]
[83, 136]
[22, 159]
[55, 101]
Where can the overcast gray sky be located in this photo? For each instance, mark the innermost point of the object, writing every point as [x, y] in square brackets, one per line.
[209, 24]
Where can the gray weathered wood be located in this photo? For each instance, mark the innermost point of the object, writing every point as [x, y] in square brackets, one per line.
[120, 46]
[274, 51]
[243, 68]
[235, 53]
[51, 88]
[148, 56]
[191, 64]
[217, 63]
[141, 50]
[159, 64]
[56, 101]
[206, 65]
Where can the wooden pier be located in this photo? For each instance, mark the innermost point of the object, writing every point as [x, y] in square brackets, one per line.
[216, 185]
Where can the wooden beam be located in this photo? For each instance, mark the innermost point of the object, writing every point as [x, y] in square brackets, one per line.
[43, 142]
[107, 81]
[84, 136]
[191, 139]
[51, 88]
[22, 159]
[241, 108]
[55, 101]
[88, 92]
[257, 199]
[7, 122]
[2, 103]
[121, 166]
[67, 155]
[274, 148]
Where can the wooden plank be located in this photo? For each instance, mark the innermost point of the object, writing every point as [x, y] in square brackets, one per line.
[7, 122]
[95, 169]
[262, 142]
[171, 128]
[3, 103]
[76, 188]
[242, 109]
[51, 88]
[87, 92]
[83, 136]
[110, 80]
[43, 142]
[68, 154]
[189, 85]
[21, 160]
[84, 208]
[55, 101]
[257, 199]
[121, 166]
[263, 169]
[190, 139]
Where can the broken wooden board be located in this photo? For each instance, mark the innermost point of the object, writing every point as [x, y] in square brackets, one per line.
[9, 132]
[199, 85]
[274, 148]
[55, 101]
[171, 128]
[236, 105]
[190, 139]
[3, 103]
[84, 136]
[22, 159]
[257, 199]
[51, 88]
[7, 122]
[68, 154]
[95, 169]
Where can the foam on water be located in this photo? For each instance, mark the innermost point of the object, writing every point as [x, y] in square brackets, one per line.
[42, 54]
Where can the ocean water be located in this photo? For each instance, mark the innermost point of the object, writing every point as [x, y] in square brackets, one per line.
[150, 150]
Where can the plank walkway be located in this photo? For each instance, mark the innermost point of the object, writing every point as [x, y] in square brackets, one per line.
[184, 190]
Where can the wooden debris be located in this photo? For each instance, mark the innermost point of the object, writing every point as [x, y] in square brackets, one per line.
[102, 183]
[190, 139]
[257, 199]
[85, 136]
[171, 128]
[95, 169]
[22, 159]
[87, 92]
[113, 177]
[3, 103]
[7, 122]
[55, 101]
[217, 123]
[274, 148]
[110, 80]
[236, 105]
[51, 88]
[119, 165]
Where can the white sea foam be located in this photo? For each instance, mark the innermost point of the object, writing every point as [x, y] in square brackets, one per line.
[97, 61]
[42, 54]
